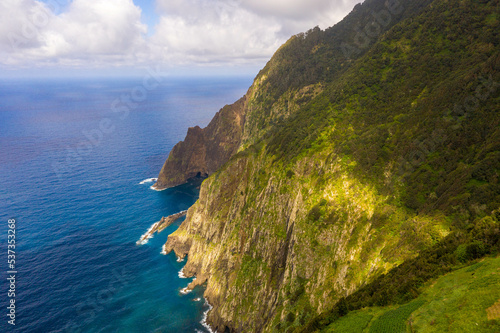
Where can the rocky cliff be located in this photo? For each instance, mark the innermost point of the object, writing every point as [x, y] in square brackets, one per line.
[203, 151]
[346, 160]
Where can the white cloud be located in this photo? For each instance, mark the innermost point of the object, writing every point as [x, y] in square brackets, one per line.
[300, 15]
[17, 29]
[216, 31]
[88, 31]
[296, 9]
[100, 27]
[96, 33]
[232, 30]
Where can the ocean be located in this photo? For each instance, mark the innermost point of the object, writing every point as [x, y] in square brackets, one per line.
[74, 157]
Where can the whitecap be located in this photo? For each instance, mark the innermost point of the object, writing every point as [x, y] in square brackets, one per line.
[185, 291]
[148, 235]
[152, 187]
[149, 180]
[181, 274]
[164, 249]
[179, 259]
[203, 321]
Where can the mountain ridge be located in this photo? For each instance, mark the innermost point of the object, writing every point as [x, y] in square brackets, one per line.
[341, 176]
[287, 73]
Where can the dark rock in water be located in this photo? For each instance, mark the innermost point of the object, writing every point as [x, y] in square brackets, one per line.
[167, 221]
[160, 226]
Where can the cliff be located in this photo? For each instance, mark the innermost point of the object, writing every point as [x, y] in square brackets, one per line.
[349, 160]
[203, 151]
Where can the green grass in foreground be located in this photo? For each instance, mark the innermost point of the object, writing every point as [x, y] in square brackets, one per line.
[455, 302]
[395, 320]
[355, 322]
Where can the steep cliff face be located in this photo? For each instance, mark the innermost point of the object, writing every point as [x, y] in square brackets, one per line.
[337, 179]
[203, 151]
[273, 243]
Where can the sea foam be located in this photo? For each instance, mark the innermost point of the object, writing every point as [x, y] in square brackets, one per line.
[148, 235]
[205, 316]
[181, 274]
[185, 291]
[164, 249]
[157, 189]
[149, 180]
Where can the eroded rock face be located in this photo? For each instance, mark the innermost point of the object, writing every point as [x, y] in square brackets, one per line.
[253, 243]
[203, 151]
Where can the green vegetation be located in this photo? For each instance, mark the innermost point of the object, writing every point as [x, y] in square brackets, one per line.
[354, 322]
[404, 282]
[361, 179]
[359, 115]
[395, 320]
[456, 302]
[402, 121]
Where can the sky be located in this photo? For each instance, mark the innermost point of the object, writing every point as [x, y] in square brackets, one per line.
[90, 37]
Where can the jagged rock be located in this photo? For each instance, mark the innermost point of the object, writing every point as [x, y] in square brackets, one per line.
[160, 226]
[203, 151]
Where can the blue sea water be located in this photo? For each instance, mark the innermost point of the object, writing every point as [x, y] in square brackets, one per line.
[73, 153]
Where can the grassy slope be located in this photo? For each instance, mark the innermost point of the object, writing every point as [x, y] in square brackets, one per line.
[455, 302]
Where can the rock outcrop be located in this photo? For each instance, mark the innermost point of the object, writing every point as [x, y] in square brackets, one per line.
[203, 151]
[160, 226]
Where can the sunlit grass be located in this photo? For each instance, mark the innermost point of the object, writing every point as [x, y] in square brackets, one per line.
[456, 302]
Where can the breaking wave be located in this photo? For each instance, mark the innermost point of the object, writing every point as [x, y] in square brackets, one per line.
[149, 180]
[148, 235]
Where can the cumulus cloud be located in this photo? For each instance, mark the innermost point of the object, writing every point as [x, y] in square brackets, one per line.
[237, 30]
[88, 31]
[99, 27]
[93, 33]
[216, 31]
[17, 29]
[296, 9]
[300, 15]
